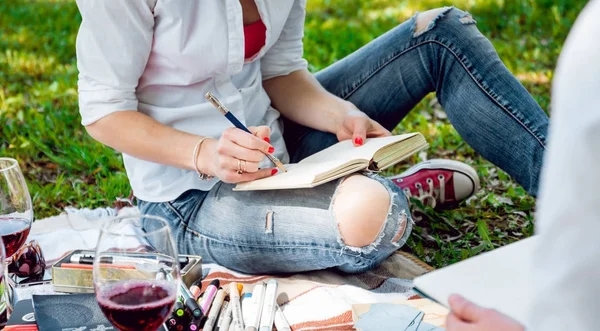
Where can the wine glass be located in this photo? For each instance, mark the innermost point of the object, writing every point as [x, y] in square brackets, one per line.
[136, 272]
[16, 211]
[16, 216]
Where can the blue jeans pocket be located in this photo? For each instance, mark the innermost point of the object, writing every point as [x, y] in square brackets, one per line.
[185, 206]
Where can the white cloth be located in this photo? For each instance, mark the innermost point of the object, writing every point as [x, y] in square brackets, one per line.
[60, 234]
[567, 267]
[160, 57]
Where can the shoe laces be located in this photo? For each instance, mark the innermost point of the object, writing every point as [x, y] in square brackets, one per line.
[430, 195]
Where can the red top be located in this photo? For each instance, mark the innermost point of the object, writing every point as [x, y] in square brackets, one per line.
[254, 35]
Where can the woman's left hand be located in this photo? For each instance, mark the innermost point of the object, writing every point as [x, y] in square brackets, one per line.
[357, 126]
[467, 316]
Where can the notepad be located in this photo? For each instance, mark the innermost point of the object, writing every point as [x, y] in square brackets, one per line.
[340, 160]
[501, 279]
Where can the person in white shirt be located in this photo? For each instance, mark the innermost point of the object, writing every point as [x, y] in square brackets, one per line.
[567, 267]
[145, 66]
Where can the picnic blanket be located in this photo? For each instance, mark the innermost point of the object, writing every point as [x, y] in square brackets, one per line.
[318, 300]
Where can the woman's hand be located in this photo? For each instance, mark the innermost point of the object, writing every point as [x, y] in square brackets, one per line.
[357, 126]
[238, 150]
[467, 316]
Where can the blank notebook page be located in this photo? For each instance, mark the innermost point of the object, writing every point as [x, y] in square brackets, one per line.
[500, 279]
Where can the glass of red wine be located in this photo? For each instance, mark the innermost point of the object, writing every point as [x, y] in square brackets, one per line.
[16, 211]
[16, 216]
[136, 272]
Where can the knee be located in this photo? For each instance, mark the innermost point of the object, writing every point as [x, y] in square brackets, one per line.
[426, 21]
[360, 207]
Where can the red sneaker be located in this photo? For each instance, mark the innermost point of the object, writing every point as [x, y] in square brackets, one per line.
[438, 183]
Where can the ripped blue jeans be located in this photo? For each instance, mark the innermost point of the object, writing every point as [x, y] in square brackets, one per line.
[276, 231]
[295, 230]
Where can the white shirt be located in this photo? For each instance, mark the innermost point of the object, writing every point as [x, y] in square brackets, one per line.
[160, 57]
[567, 267]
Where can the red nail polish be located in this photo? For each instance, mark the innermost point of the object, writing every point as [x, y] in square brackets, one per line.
[271, 150]
[267, 139]
[274, 171]
[358, 141]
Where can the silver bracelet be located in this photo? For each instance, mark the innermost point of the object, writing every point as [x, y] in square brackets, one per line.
[201, 176]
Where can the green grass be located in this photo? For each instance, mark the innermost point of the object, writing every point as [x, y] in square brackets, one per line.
[64, 166]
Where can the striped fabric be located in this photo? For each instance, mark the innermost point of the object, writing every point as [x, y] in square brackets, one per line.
[322, 300]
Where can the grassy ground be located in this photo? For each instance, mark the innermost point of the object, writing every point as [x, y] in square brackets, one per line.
[40, 121]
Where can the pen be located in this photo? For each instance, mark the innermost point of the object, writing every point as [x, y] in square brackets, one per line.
[89, 259]
[214, 311]
[247, 303]
[255, 311]
[188, 298]
[281, 324]
[224, 310]
[90, 267]
[268, 310]
[221, 108]
[190, 302]
[236, 307]
[208, 296]
[179, 309]
[195, 288]
[171, 322]
[226, 323]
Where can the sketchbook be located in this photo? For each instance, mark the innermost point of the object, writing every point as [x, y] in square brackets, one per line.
[340, 160]
[501, 279]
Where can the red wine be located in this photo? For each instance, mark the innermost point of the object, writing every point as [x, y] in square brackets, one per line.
[14, 232]
[140, 305]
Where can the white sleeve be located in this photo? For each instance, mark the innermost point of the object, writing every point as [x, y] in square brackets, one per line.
[286, 55]
[567, 262]
[113, 46]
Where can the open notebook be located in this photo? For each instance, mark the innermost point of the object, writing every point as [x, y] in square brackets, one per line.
[340, 160]
[500, 279]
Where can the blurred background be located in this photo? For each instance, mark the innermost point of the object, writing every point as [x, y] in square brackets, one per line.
[40, 123]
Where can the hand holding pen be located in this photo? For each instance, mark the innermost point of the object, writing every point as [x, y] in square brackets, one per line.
[236, 155]
[240, 150]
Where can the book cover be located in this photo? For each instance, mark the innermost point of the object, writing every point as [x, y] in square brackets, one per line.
[22, 317]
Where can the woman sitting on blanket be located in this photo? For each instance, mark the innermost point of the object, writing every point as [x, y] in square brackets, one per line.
[145, 66]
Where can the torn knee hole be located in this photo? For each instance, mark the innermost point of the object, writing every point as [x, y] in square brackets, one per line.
[467, 18]
[358, 233]
[426, 21]
[360, 208]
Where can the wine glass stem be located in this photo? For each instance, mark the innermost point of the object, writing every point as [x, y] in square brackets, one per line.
[9, 288]
[5, 300]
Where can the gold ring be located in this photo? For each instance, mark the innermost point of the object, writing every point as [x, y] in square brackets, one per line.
[239, 169]
[244, 166]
